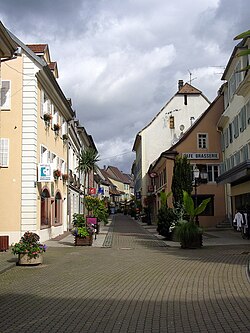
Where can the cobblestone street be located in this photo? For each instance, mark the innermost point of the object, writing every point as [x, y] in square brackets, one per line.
[135, 284]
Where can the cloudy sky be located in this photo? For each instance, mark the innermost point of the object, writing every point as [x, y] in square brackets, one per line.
[120, 60]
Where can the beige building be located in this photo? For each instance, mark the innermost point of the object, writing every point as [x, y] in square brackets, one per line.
[234, 125]
[33, 156]
[201, 145]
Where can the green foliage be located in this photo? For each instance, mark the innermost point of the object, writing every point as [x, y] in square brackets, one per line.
[164, 197]
[188, 233]
[188, 205]
[82, 231]
[78, 220]
[182, 179]
[166, 218]
[29, 244]
[88, 159]
[97, 208]
[243, 35]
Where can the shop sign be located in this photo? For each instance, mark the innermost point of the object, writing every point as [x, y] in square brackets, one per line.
[45, 172]
[201, 156]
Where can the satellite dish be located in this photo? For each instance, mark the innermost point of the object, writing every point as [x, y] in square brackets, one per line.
[182, 128]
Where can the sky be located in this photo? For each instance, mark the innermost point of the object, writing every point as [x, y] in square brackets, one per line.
[120, 60]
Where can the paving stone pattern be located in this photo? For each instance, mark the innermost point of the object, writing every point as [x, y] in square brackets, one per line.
[137, 285]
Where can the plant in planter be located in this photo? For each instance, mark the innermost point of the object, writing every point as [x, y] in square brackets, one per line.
[65, 137]
[29, 249]
[187, 231]
[56, 128]
[83, 233]
[47, 117]
[57, 173]
[65, 177]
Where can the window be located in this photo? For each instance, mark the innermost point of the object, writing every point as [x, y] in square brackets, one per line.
[185, 99]
[231, 133]
[44, 158]
[209, 210]
[4, 152]
[236, 126]
[45, 208]
[202, 141]
[243, 119]
[213, 172]
[5, 95]
[45, 104]
[58, 209]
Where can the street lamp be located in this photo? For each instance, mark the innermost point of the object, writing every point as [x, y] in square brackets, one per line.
[200, 177]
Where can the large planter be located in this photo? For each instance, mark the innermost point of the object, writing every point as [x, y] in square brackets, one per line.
[24, 259]
[194, 243]
[83, 241]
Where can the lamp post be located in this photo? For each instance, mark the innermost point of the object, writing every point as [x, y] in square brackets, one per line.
[200, 177]
[196, 173]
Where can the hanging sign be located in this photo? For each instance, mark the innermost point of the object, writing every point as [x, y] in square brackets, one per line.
[92, 190]
[45, 172]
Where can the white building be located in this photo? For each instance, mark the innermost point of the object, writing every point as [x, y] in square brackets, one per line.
[165, 129]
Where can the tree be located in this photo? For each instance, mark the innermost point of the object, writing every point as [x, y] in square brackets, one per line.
[182, 179]
[87, 163]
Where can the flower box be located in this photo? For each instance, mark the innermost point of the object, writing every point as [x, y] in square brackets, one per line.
[83, 241]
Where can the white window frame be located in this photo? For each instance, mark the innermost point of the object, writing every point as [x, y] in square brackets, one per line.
[6, 93]
[4, 152]
[202, 141]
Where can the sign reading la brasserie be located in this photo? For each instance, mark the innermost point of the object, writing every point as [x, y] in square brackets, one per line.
[201, 156]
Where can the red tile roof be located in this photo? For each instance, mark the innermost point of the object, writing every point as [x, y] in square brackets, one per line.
[38, 48]
[188, 89]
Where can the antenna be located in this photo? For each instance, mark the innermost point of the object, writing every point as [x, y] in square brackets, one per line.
[190, 77]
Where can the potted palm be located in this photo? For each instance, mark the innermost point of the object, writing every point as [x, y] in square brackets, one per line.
[29, 249]
[186, 230]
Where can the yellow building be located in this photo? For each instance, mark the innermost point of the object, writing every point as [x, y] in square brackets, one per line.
[33, 155]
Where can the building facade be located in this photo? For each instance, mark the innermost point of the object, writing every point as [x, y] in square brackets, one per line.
[201, 145]
[165, 130]
[234, 126]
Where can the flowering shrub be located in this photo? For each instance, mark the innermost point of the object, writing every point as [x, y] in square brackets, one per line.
[83, 231]
[29, 244]
[80, 228]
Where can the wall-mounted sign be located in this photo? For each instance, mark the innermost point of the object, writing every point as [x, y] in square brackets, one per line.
[45, 172]
[92, 190]
[201, 156]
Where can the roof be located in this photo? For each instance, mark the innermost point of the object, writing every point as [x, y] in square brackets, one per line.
[173, 149]
[188, 89]
[238, 46]
[38, 48]
[185, 90]
[116, 174]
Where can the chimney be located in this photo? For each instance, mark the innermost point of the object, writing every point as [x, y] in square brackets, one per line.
[180, 84]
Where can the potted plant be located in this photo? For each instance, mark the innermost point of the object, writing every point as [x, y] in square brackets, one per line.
[47, 118]
[56, 128]
[65, 137]
[29, 249]
[65, 177]
[57, 174]
[83, 233]
[187, 231]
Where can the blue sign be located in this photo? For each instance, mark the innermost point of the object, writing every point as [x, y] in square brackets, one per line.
[101, 190]
[45, 173]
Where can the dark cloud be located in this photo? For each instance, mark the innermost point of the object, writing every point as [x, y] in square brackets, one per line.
[120, 61]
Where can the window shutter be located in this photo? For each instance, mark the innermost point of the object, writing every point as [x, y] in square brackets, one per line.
[4, 152]
[5, 95]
